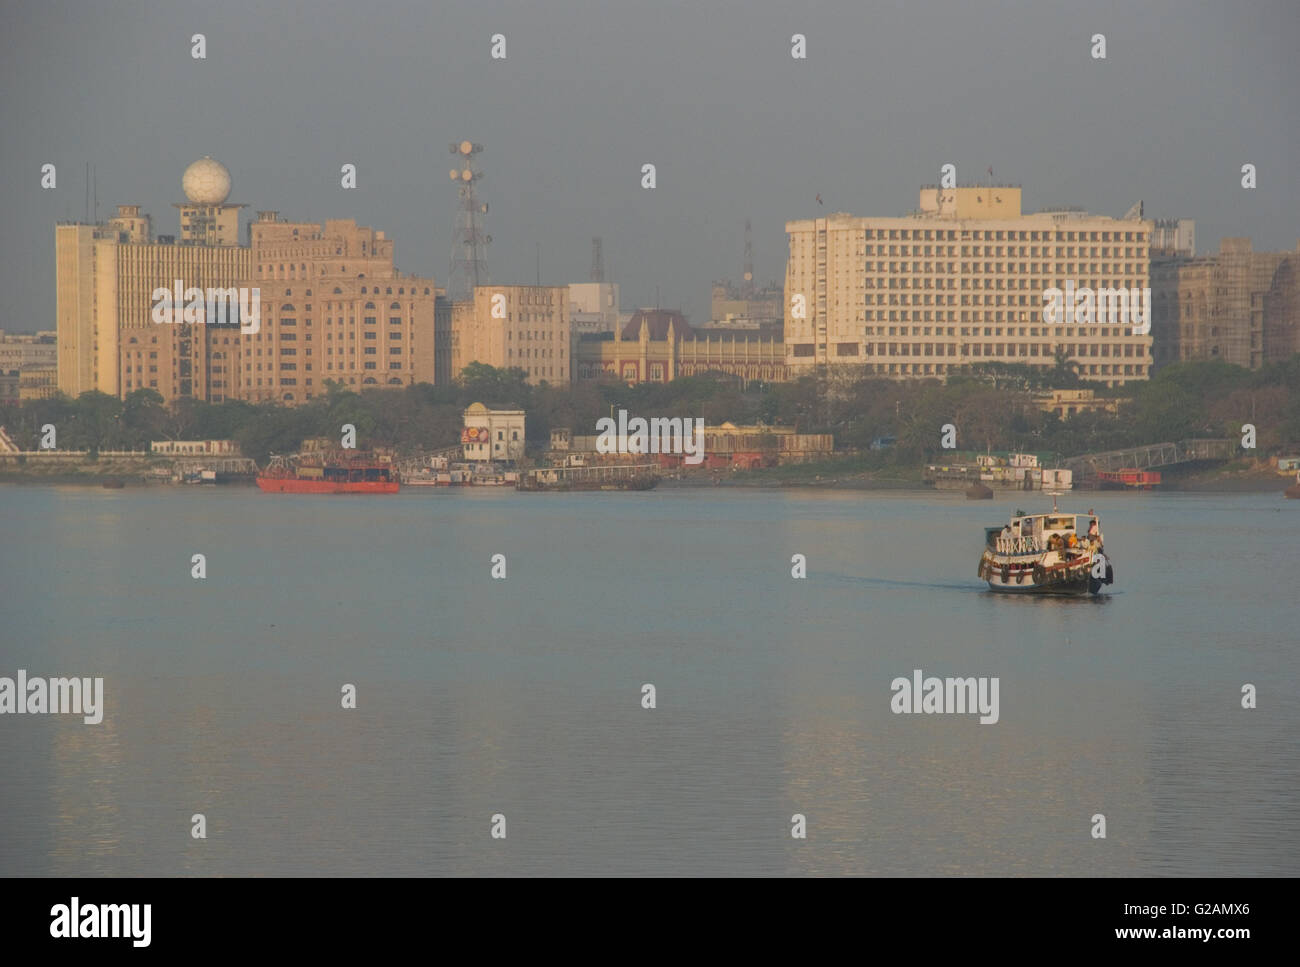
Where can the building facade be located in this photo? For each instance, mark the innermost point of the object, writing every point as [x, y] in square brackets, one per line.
[659, 345]
[1236, 305]
[509, 326]
[334, 308]
[960, 282]
[593, 307]
[492, 435]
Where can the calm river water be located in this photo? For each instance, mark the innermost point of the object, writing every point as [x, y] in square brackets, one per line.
[523, 697]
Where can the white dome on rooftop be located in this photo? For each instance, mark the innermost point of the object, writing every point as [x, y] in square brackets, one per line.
[206, 182]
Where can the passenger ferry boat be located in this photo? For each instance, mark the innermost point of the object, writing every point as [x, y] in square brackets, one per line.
[1051, 553]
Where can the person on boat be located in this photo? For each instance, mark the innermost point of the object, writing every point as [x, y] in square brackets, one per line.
[1072, 541]
[1005, 543]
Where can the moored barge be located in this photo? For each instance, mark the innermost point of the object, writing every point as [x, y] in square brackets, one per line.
[336, 472]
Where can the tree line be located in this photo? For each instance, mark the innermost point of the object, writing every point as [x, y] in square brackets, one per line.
[993, 407]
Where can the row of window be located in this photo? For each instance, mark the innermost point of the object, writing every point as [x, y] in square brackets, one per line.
[1058, 332]
[997, 251]
[985, 349]
[534, 353]
[1000, 235]
[1008, 268]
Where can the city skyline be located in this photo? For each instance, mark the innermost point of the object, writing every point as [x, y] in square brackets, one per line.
[731, 127]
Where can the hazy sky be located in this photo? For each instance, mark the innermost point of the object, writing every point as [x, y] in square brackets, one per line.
[590, 91]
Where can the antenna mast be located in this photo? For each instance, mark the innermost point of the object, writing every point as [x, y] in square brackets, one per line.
[469, 247]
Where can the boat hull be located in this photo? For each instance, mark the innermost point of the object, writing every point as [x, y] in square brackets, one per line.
[1077, 588]
[1023, 577]
[291, 485]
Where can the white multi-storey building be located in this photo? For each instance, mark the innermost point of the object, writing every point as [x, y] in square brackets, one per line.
[960, 282]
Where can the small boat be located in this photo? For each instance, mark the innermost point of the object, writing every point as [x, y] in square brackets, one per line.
[112, 484]
[423, 477]
[977, 491]
[1049, 553]
[1294, 491]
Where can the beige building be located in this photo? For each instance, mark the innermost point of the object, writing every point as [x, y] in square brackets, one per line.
[1065, 403]
[1237, 305]
[21, 349]
[334, 308]
[38, 383]
[959, 282]
[108, 341]
[332, 305]
[508, 326]
[492, 434]
[107, 275]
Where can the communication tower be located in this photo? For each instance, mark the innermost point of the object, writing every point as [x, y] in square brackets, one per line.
[469, 248]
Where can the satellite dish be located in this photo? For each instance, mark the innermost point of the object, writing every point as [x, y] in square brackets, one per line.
[466, 175]
[454, 174]
[466, 147]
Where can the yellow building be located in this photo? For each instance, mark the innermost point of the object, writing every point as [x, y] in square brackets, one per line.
[961, 281]
[508, 326]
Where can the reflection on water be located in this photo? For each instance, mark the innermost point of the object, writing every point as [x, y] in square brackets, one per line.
[523, 696]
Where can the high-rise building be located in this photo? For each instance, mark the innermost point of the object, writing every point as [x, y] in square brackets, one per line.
[959, 282]
[106, 277]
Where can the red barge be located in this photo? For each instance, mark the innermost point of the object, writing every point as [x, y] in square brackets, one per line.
[1128, 477]
[339, 472]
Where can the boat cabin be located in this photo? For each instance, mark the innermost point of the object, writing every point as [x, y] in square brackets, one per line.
[1035, 533]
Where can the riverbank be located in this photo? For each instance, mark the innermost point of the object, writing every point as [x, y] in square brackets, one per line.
[866, 473]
